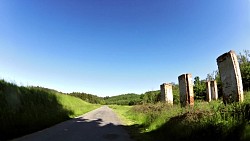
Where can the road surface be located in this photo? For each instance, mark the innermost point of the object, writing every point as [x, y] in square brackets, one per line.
[101, 124]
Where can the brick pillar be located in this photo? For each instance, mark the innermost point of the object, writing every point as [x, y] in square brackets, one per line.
[166, 93]
[186, 90]
[230, 75]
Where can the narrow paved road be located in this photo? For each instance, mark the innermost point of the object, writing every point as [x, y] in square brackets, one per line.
[101, 124]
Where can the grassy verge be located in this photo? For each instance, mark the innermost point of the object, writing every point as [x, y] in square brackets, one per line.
[75, 105]
[122, 113]
[204, 121]
[27, 109]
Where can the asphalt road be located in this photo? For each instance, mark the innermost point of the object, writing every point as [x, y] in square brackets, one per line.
[101, 124]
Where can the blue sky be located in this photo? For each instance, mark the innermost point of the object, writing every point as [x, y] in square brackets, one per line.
[111, 47]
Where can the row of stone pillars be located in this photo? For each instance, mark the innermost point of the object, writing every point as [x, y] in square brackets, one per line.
[230, 75]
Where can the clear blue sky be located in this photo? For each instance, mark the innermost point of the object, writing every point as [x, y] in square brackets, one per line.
[111, 47]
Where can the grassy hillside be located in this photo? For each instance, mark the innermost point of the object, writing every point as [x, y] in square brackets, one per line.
[124, 99]
[204, 121]
[27, 109]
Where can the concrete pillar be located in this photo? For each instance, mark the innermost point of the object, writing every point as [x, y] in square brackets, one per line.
[208, 89]
[186, 90]
[166, 93]
[212, 91]
[230, 75]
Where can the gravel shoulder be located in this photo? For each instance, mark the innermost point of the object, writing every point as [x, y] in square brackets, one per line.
[101, 124]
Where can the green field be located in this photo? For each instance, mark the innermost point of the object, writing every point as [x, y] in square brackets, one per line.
[28, 109]
[204, 121]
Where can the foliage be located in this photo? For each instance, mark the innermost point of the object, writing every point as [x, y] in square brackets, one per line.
[219, 83]
[136, 99]
[199, 88]
[27, 109]
[124, 99]
[244, 62]
[88, 97]
[151, 96]
[176, 94]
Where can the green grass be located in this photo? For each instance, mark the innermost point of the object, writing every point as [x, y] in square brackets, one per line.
[122, 113]
[204, 121]
[27, 109]
[76, 105]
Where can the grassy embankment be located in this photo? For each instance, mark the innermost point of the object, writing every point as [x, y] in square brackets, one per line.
[204, 121]
[27, 109]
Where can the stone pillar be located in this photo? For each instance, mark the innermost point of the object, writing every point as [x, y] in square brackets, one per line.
[212, 91]
[230, 75]
[208, 89]
[166, 93]
[186, 90]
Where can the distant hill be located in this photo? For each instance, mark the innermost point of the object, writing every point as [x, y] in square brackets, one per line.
[124, 99]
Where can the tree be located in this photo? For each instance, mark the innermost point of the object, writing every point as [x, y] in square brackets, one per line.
[176, 93]
[219, 83]
[151, 96]
[212, 76]
[244, 63]
[199, 88]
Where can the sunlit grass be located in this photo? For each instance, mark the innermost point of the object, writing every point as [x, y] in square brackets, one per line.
[76, 105]
[204, 120]
[27, 109]
[122, 112]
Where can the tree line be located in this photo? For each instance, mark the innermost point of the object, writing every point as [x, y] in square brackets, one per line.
[128, 99]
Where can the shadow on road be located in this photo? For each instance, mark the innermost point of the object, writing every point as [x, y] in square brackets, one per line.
[80, 129]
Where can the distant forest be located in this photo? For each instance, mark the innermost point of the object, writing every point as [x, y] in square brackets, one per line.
[128, 99]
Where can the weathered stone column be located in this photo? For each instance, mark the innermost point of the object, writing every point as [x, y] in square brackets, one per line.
[186, 90]
[230, 75]
[208, 89]
[166, 93]
[212, 91]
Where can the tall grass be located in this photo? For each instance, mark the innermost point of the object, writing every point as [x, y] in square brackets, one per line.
[27, 109]
[122, 112]
[204, 121]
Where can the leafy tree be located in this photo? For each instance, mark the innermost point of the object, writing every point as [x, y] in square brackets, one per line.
[199, 88]
[219, 83]
[176, 93]
[151, 96]
[244, 62]
[210, 77]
